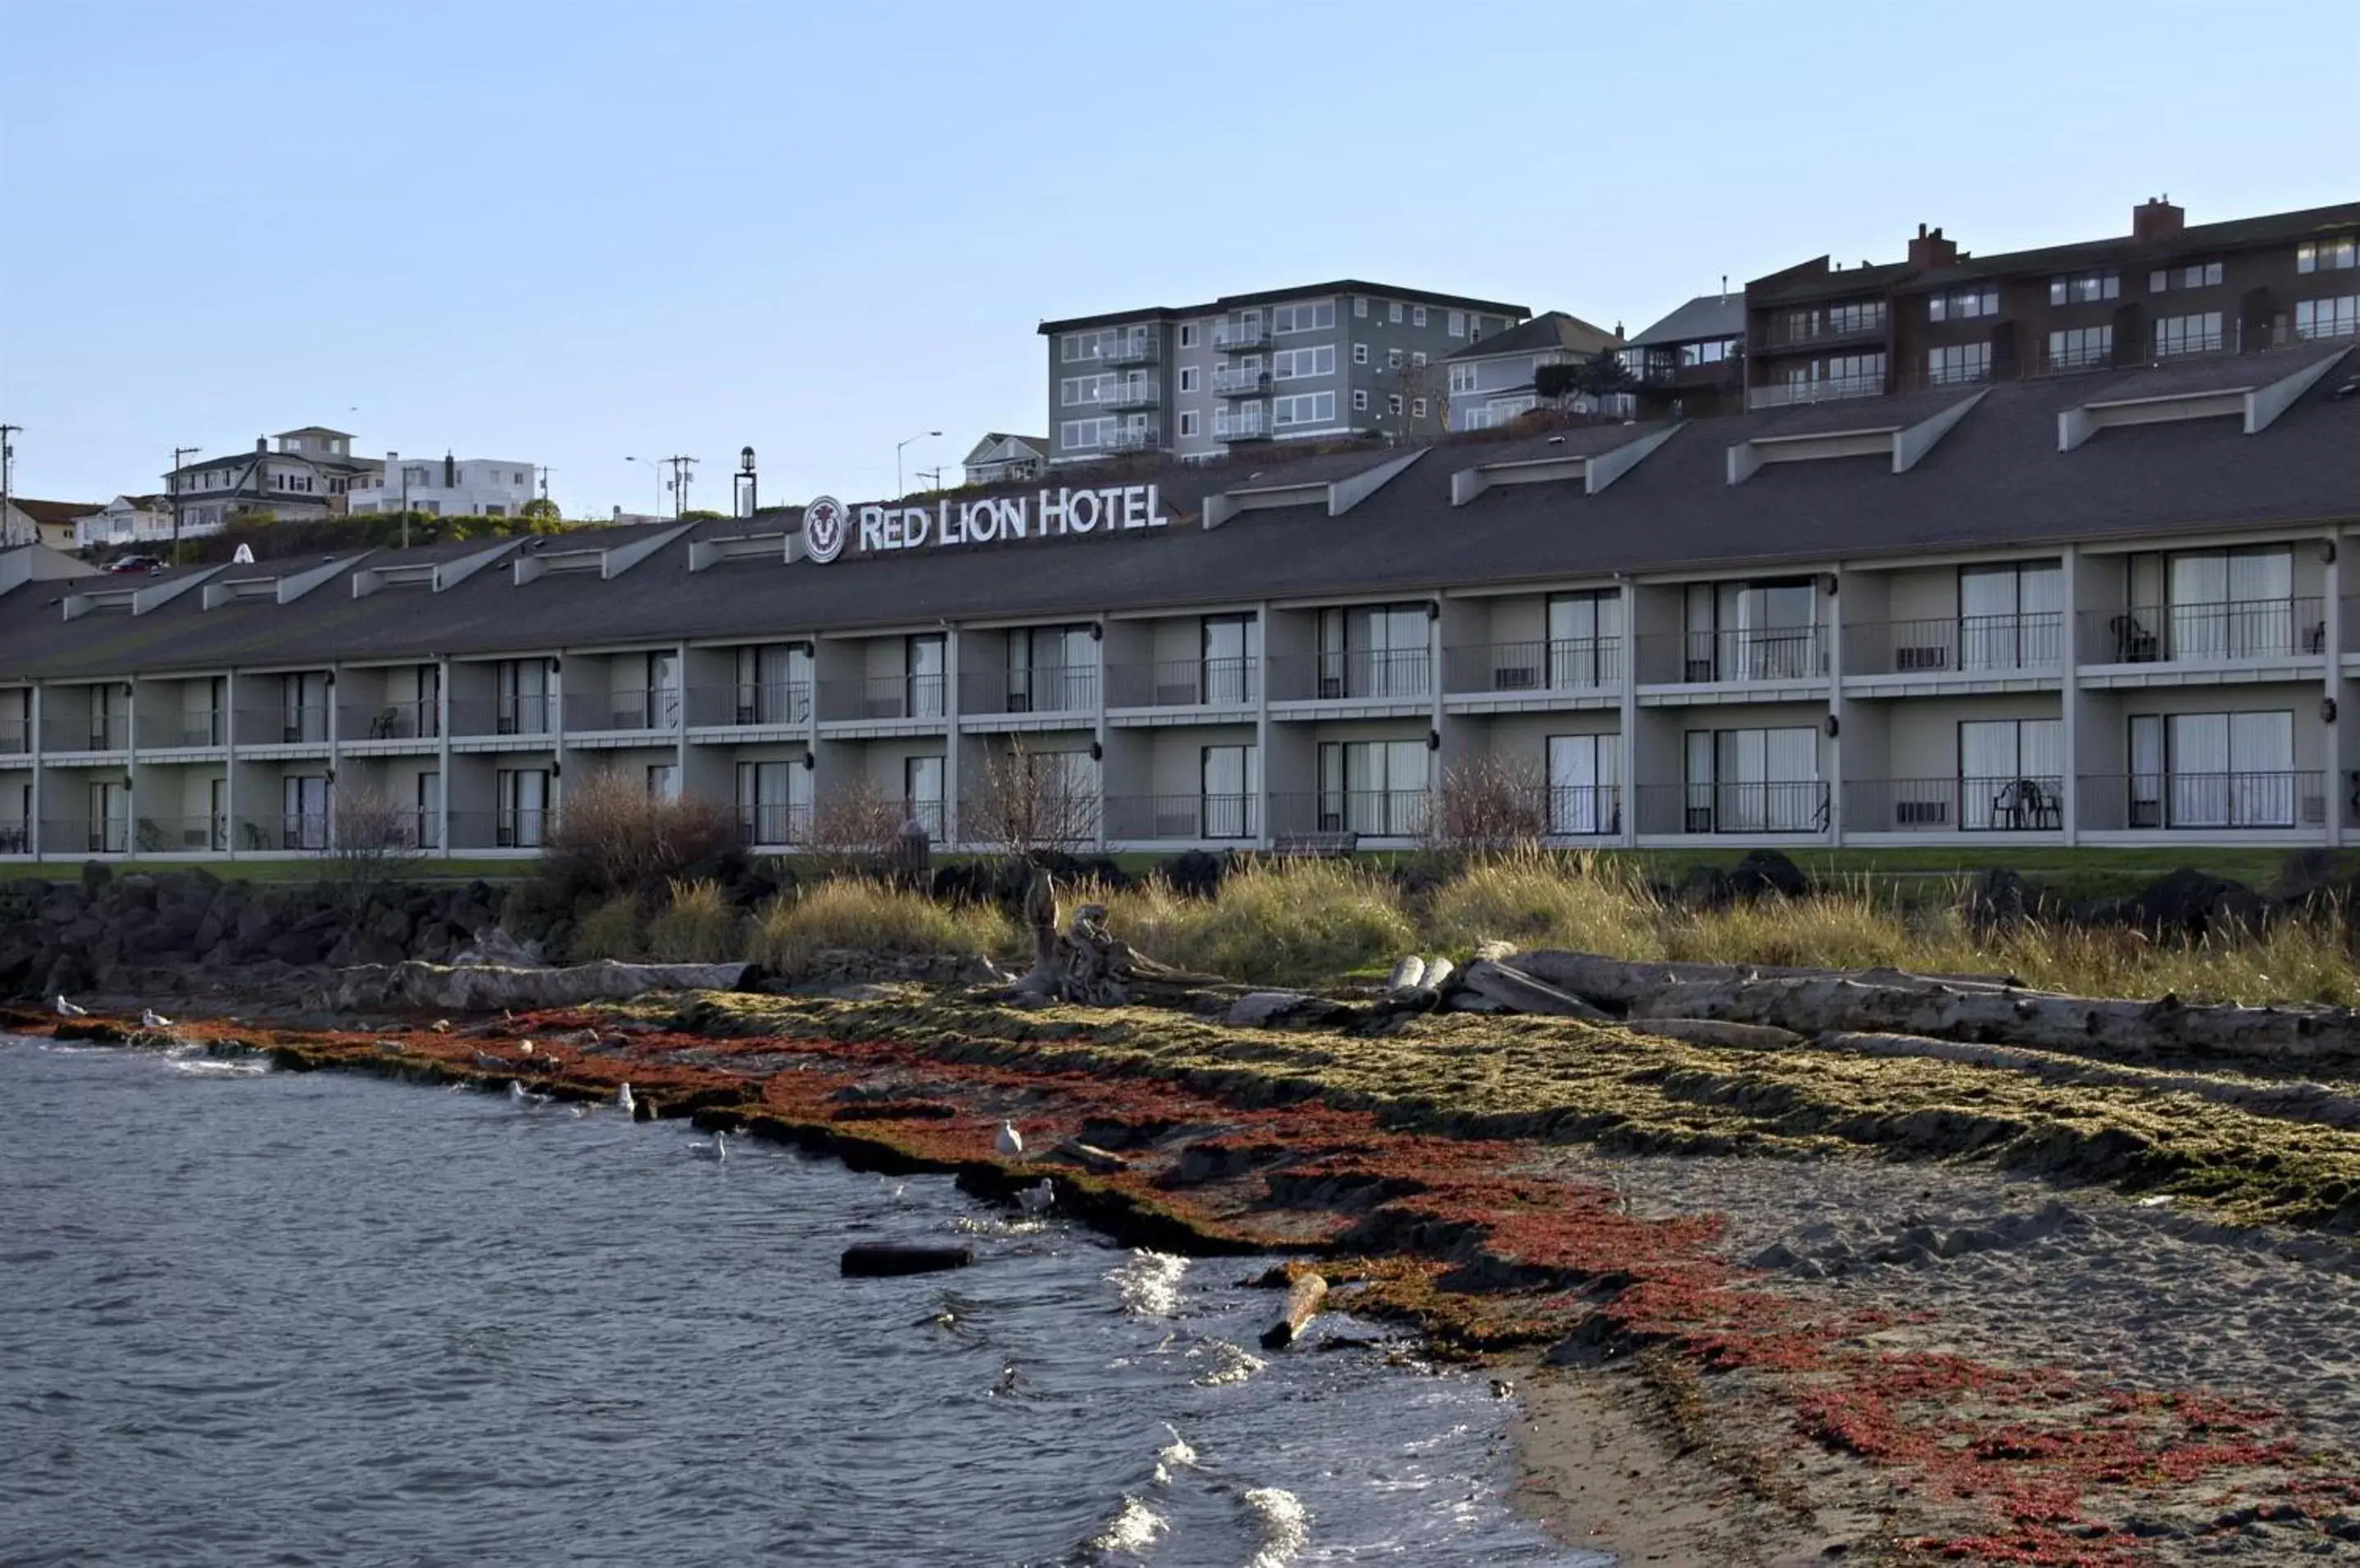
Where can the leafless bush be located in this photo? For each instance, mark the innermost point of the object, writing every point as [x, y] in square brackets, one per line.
[611, 835]
[1032, 804]
[370, 839]
[1488, 806]
[857, 822]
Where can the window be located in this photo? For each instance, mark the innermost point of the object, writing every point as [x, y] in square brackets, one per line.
[1393, 312]
[1226, 783]
[1417, 360]
[2338, 318]
[1392, 359]
[2011, 774]
[1188, 421]
[1187, 334]
[1392, 403]
[1303, 408]
[2084, 288]
[1417, 316]
[1077, 348]
[1080, 391]
[1298, 364]
[921, 665]
[523, 798]
[1754, 781]
[1862, 316]
[1084, 432]
[1462, 379]
[1372, 787]
[2197, 274]
[773, 802]
[1189, 377]
[1316, 315]
[1458, 323]
[2080, 348]
[2010, 617]
[1360, 354]
[1583, 797]
[1958, 364]
[1360, 400]
[2217, 770]
[2328, 255]
[1712, 352]
[1417, 409]
[1360, 306]
[922, 792]
[1964, 304]
[2199, 333]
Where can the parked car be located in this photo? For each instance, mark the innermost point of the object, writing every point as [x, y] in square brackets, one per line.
[137, 563]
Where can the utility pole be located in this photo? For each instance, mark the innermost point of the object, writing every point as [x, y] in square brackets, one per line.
[179, 456]
[544, 481]
[680, 476]
[8, 467]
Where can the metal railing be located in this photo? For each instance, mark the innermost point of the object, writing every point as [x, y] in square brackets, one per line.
[2228, 629]
[1559, 664]
[1767, 653]
[2202, 801]
[413, 718]
[179, 728]
[881, 697]
[1830, 389]
[1185, 683]
[87, 732]
[16, 738]
[1354, 673]
[1580, 810]
[1131, 817]
[82, 835]
[1956, 644]
[16, 836]
[1135, 437]
[1825, 329]
[656, 709]
[514, 828]
[769, 703]
[1371, 813]
[1947, 805]
[1230, 336]
[283, 833]
[779, 822]
[1044, 689]
[1229, 382]
[1778, 806]
[1134, 394]
[526, 713]
[180, 835]
[1147, 348]
[2179, 345]
[1255, 429]
[2053, 361]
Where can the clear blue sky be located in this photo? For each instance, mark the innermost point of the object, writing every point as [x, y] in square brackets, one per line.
[569, 232]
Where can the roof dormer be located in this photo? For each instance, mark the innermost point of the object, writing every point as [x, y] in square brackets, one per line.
[2238, 393]
[1575, 457]
[1335, 496]
[1906, 442]
[603, 561]
[280, 588]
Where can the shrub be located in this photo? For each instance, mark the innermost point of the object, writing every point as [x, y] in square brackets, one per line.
[856, 822]
[697, 927]
[612, 836]
[1297, 922]
[610, 930]
[871, 917]
[1534, 899]
[1488, 806]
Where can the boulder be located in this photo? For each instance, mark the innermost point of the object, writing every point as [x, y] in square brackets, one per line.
[1998, 897]
[2190, 902]
[1765, 871]
[1195, 873]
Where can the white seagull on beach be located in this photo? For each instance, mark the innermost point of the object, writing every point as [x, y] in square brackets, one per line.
[523, 1097]
[1009, 1142]
[623, 1100]
[66, 1009]
[1034, 1199]
[717, 1150]
[150, 1018]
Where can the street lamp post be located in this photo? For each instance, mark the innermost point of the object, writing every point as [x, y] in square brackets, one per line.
[747, 504]
[899, 447]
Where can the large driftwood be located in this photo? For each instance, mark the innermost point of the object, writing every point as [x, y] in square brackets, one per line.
[1087, 964]
[1503, 987]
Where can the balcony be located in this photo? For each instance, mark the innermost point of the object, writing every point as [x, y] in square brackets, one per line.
[82, 835]
[769, 704]
[1954, 805]
[16, 738]
[777, 823]
[1957, 644]
[882, 698]
[1048, 689]
[1370, 674]
[1371, 813]
[1233, 383]
[15, 837]
[2075, 359]
[524, 713]
[520, 828]
[181, 730]
[1564, 664]
[1146, 348]
[1229, 337]
[303, 725]
[283, 833]
[1252, 429]
[415, 718]
[1138, 394]
[1775, 805]
[654, 711]
[92, 731]
[1705, 658]
[180, 835]
[2203, 802]
[1185, 683]
[1829, 389]
[1137, 818]
[2230, 631]
[1134, 437]
[1842, 326]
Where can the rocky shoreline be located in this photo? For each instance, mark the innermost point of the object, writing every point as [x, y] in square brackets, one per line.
[1818, 1308]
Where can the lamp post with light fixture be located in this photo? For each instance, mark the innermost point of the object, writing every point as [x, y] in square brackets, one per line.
[747, 504]
[899, 447]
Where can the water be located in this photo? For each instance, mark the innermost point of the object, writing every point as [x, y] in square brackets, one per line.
[252, 1317]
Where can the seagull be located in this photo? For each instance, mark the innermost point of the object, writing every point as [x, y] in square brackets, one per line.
[1035, 1199]
[1009, 1142]
[623, 1100]
[66, 1009]
[717, 1150]
[150, 1018]
[518, 1094]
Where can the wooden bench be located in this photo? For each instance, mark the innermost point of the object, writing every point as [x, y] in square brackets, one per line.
[1307, 845]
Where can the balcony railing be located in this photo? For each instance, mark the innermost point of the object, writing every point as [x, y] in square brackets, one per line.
[1579, 811]
[881, 697]
[184, 728]
[2229, 630]
[1147, 348]
[1140, 394]
[1767, 653]
[305, 725]
[526, 828]
[1229, 337]
[179, 835]
[89, 731]
[413, 718]
[1131, 817]
[1185, 683]
[1371, 813]
[1246, 429]
[1230, 382]
[16, 738]
[2180, 345]
[1956, 644]
[769, 703]
[16, 836]
[1134, 437]
[1561, 664]
[1047, 689]
[526, 713]
[82, 835]
[1830, 389]
[2198, 802]
[2067, 361]
[782, 822]
[283, 833]
[656, 709]
[1830, 329]
[1954, 805]
[1379, 673]
[1777, 806]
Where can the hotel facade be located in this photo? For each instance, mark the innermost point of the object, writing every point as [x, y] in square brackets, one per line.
[2118, 607]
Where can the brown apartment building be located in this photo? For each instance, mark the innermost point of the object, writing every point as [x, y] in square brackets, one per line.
[1943, 317]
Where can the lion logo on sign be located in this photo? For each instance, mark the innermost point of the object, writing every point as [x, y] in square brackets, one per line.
[824, 529]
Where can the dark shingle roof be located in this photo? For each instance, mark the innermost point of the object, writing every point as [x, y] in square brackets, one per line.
[1268, 296]
[55, 512]
[1553, 328]
[1706, 316]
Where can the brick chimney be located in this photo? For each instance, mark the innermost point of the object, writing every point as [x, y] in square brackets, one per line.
[2156, 219]
[1930, 250]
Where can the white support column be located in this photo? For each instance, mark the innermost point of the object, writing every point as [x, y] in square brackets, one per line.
[1627, 742]
[1098, 728]
[2331, 743]
[442, 757]
[2069, 694]
[335, 762]
[952, 737]
[1261, 730]
[1435, 752]
[1831, 593]
[34, 719]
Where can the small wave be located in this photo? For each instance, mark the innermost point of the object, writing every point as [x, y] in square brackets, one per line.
[1133, 1530]
[1149, 1283]
[206, 1067]
[992, 1225]
[1285, 1527]
[1233, 1363]
[1173, 1455]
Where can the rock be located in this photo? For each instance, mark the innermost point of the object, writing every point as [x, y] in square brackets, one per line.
[1195, 873]
[95, 875]
[1996, 898]
[1765, 871]
[494, 945]
[2310, 873]
[1704, 888]
[1258, 1009]
[2190, 902]
[876, 1260]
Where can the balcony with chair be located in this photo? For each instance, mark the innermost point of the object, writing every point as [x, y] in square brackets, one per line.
[1918, 806]
[408, 719]
[2233, 631]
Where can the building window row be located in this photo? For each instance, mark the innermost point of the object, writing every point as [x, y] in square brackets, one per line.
[2196, 334]
[1964, 304]
[2080, 348]
[1711, 352]
[2195, 274]
[1303, 408]
[1311, 316]
[2084, 288]
[2333, 318]
[1298, 364]
[1074, 433]
[1958, 365]
[2328, 255]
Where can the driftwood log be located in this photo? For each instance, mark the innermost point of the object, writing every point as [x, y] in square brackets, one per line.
[1303, 1299]
[1087, 964]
